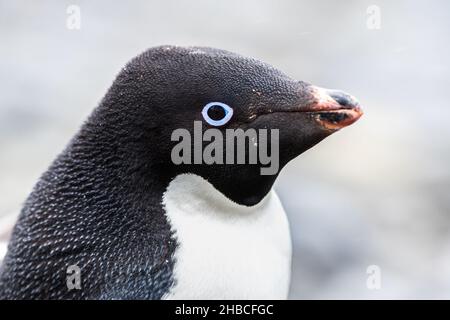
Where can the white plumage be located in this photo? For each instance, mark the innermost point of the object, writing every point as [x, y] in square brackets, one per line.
[226, 250]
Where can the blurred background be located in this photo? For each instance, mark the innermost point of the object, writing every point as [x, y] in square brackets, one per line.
[375, 194]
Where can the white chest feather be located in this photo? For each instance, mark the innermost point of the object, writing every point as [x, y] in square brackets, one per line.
[226, 251]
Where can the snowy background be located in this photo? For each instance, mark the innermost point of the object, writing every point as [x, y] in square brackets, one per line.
[376, 193]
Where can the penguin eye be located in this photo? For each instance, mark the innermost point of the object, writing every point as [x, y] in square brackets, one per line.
[217, 113]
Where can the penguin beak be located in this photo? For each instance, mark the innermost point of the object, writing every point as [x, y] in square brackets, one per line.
[333, 109]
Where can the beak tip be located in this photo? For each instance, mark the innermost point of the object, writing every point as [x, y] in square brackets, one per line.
[335, 109]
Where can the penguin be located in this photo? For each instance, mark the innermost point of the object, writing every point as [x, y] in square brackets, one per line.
[114, 217]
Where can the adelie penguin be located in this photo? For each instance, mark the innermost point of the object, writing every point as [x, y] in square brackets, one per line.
[136, 225]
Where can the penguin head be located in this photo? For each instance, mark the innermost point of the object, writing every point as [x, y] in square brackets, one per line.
[168, 88]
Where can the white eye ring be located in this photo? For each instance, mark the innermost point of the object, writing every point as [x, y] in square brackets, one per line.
[217, 123]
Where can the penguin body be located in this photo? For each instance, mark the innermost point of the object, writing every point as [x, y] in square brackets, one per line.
[248, 247]
[136, 225]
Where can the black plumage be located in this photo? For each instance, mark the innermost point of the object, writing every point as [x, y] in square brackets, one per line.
[99, 207]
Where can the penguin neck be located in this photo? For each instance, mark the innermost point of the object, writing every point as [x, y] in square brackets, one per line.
[192, 193]
[122, 149]
[117, 170]
[247, 189]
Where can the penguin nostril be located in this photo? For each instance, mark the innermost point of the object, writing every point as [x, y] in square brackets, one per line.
[343, 98]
